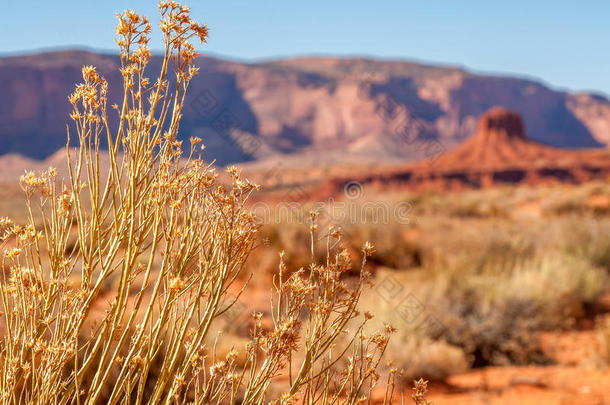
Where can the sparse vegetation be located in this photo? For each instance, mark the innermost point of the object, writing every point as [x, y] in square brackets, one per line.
[493, 280]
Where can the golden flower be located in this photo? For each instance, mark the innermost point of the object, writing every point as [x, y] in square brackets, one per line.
[10, 253]
[368, 248]
[389, 328]
[177, 284]
[137, 360]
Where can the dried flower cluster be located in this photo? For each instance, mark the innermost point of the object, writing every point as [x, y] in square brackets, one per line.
[171, 241]
[420, 388]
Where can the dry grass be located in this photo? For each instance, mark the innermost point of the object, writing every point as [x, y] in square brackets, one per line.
[111, 288]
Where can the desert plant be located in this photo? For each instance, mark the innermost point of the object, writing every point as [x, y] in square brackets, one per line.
[170, 240]
[420, 388]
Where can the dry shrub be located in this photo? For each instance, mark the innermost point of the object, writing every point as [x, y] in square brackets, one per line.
[492, 203]
[494, 314]
[427, 358]
[491, 297]
[112, 299]
[392, 248]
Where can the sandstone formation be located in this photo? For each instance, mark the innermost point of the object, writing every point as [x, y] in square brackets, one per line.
[309, 107]
[498, 153]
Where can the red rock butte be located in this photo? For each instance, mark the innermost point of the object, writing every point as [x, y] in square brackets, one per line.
[498, 153]
[501, 124]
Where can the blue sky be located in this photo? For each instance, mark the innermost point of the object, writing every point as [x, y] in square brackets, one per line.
[564, 43]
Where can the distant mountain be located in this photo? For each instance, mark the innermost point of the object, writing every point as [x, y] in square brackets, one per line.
[378, 110]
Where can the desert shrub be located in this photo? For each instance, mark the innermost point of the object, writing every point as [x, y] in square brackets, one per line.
[495, 313]
[494, 203]
[431, 359]
[589, 199]
[482, 311]
[565, 205]
[589, 240]
[393, 249]
[113, 297]
[502, 335]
